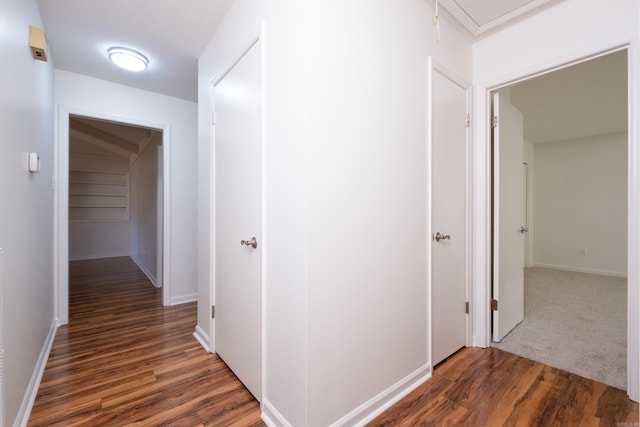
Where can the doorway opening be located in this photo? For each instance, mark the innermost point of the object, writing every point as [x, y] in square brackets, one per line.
[571, 242]
[111, 199]
[115, 193]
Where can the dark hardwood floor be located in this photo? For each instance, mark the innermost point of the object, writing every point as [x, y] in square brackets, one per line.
[124, 359]
[490, 387]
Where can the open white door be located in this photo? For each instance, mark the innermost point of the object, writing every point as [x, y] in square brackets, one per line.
[525, 214]
[508, 214]
[238, 133]
[449, 201]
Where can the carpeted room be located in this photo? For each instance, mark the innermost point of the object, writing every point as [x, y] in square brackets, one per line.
[575, 288]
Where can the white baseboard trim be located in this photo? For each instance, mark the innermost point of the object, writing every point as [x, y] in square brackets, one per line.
[145, 270]
[271, 416]
[202, 338]
[83, 257]
[581, 270]
[383, 401]
[181, 299]
[32, 389]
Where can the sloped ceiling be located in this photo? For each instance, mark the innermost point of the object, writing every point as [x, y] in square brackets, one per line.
[117, 138]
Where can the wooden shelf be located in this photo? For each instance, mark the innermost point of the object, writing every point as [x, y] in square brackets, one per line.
[98, 196]
[99, 207]
[97, 183]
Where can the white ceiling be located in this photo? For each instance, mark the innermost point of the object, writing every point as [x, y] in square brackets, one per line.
[583, 100]
[171, 33]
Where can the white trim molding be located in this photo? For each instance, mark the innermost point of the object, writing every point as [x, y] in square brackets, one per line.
[182, 299]
[202, 337]
[271, 416]
[581, 270]
[145, 270]
[375, 406]
[32, 389]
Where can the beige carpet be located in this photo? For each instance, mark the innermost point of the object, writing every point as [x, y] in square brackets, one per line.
[574, 321]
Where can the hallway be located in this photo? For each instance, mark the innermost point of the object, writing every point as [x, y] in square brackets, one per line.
[124, 358]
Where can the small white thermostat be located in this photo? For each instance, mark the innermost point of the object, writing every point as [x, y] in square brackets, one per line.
[34, 162]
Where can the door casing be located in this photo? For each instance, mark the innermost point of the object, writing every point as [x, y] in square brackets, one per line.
[482, 198]
[245, 46]
[61, 208]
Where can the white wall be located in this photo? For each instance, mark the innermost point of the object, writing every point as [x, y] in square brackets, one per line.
[580, 202]
[561, 33]
[26, 224]
[367, 196]
[284, 243]
[144, 210]
[97, 239]
[345, 196]
[91, 97]
[103, 239]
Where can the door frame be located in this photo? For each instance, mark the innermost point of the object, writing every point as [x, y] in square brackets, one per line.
[482, 203]
[435, 67]
[61, 208]
[244, 47]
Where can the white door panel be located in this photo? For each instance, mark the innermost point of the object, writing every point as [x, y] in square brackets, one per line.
[449, 216]
[508, 238]
[237, 129]
[525, 215]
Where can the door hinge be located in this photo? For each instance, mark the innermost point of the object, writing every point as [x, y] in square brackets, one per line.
[466, 307]
[494, 122]
[494, 304]
[468, 120]
[213, 117]
[213, 311]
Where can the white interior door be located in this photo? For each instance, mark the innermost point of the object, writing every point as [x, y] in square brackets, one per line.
[525, 215]
[508, 214]
[449, 264]
[237, 130]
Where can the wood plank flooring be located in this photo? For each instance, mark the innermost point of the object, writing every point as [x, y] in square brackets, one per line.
[490, 387]
[123, 359]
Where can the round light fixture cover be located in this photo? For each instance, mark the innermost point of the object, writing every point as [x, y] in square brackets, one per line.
[128, 59]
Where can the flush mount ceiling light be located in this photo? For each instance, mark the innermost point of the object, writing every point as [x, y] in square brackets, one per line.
[128, 59]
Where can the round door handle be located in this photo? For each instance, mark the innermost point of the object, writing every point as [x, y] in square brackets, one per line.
[253, 242]
[437, 237]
